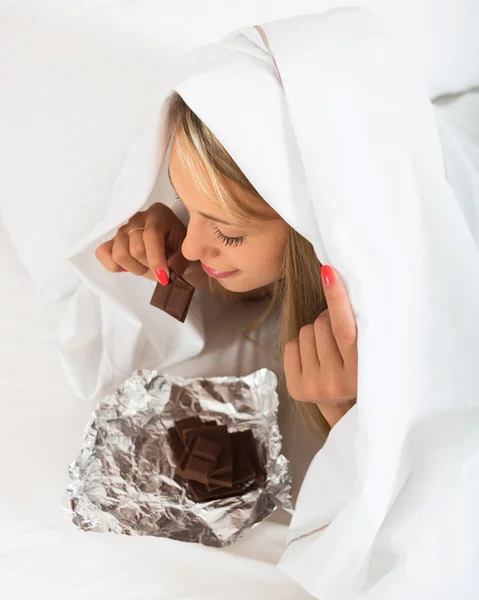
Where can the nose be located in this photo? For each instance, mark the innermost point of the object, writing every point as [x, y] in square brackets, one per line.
[197, 244]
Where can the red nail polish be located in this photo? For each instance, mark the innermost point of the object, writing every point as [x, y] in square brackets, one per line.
[327, 274]
[162, 276]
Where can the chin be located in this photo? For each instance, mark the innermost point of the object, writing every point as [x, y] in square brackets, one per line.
[236, 285]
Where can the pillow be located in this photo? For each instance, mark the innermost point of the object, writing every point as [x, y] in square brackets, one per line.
[81, 79]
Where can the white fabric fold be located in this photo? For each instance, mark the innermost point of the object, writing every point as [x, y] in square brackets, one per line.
[109, 328]
[349, 150]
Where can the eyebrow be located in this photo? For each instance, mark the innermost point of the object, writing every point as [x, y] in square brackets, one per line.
[210, 217]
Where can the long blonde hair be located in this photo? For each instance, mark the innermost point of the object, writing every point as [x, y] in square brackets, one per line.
[300, 291]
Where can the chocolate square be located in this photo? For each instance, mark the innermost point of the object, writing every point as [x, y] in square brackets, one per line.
[186, 425]
[197, 469]
[206, 449]
[243, 470]
[246, 439]
[174, 298]
[220, 435]
[221, 480]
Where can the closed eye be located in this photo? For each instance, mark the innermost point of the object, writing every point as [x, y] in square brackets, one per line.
[224, 239]
[229, 241]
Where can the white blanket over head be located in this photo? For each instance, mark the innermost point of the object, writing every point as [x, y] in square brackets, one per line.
[345, 146]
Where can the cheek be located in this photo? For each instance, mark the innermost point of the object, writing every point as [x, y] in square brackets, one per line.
[260, 260]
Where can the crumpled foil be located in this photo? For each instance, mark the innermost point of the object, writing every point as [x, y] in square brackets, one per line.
[123, 479]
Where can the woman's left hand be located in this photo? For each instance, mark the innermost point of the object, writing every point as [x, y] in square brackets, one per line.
[321, 366]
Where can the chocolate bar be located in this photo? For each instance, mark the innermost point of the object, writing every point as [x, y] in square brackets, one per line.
[174, 298]
[212, 462]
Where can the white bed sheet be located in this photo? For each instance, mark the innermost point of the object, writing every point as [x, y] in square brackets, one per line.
[42, 555]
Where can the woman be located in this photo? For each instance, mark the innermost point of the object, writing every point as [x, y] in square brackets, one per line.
[236, 242]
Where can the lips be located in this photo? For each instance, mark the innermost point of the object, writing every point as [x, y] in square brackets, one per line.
[216, 273]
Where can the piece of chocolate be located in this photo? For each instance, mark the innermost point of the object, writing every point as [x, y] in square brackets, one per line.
[220, 435]
[197, 469]
[211, 429]
[206, 449]
[221, 480]
[246, 439]
[243, 470]
[186, 425]
[174, 298]
[215, 433]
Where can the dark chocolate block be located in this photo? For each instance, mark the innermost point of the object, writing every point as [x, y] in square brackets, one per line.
[221, 480]
[194, 468]
[206, 449]
[246, 439]
[186, 425]
[174, 298]
[220, 435]
[243, 470]
[215, 433]
[197, 469]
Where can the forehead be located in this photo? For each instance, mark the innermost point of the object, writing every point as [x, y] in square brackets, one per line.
[192, 192]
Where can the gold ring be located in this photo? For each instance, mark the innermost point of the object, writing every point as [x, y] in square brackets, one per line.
[136, 229]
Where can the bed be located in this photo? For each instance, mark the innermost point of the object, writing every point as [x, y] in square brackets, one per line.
[42, 554]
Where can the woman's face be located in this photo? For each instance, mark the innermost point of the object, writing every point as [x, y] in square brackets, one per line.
[241, 258]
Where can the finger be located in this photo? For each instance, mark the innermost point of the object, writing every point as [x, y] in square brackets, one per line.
[136, 246]
[307, 350]
[103, 254]
[327, 349]
[154, 239]
[121, 254]
[341, 312]
[292, 368]
[151, 276]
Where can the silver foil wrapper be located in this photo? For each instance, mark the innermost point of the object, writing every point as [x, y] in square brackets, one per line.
[123, 480]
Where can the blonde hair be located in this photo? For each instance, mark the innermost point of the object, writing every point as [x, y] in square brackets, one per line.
[207, 164]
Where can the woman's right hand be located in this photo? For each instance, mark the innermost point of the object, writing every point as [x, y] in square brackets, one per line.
[149, 250]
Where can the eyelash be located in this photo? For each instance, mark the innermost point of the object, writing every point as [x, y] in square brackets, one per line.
[224, 239]
[229, 241]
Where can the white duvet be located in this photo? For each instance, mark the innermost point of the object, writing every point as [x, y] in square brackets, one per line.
[43, 557]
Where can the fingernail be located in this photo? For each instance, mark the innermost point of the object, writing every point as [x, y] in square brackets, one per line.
[124, 270]
[327, 274]
[162, 276]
